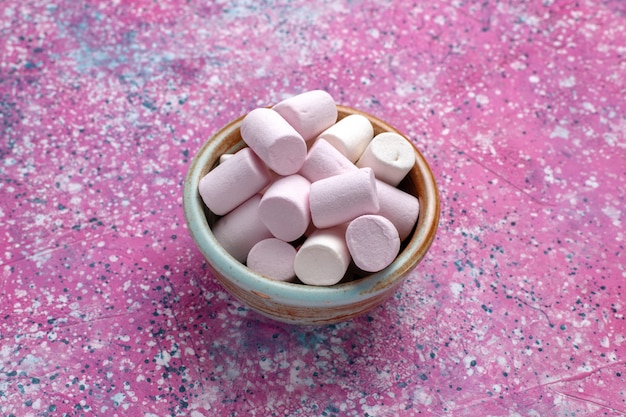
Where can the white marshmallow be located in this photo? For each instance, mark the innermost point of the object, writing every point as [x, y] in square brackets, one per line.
[350, 135]
[241, 229]
[309, 113]
[323, 258]
[225, 156]
[401, 208]
[284, 208]
[273, 258]
[390, 155]
[373, 242]
[231, 183]
[341, 198]
[274, 140]
[323, 161]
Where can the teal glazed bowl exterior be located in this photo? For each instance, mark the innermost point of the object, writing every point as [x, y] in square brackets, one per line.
[294, 302]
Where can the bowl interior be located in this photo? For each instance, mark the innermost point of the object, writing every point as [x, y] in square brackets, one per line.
[419, 182]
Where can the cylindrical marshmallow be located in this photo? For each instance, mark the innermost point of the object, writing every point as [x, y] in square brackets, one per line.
[241, 229]
[390, 155]
[273, 258]
[323, 161]
[401, 208]
[274, 140]
[350, 135]
[373, 242]
[343, 197]
[284, 208]
[323, 258]
[309, 113]
[225, 156]
[231, 183]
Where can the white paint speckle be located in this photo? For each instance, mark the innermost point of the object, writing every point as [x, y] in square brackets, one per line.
[518, 65]
[592, 182]
[456, 289]
[163, 358]
[604, 342]
[559, 132]
[568, 82]
[548, 175]
[614, 214]
[482, 99]
[589, 107]
[74, 187]
[118, 398]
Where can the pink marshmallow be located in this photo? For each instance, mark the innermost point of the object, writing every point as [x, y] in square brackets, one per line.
[323, 161]
[234, 181]
[350, 135]
[373, 242]
[343, 197]
[273, 258]
[309, 113]
[391, 157]
[284, 208]
[323, 258]
[274, 140]
[241, 229]
[401, 208]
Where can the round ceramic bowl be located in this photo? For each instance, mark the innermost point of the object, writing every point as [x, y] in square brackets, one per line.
[295, 302]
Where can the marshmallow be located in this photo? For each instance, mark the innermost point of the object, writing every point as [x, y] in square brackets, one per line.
[309, 113]
[343, 197]
[284, 208]
[390, 155]
[323, 161]
[233, 182]
[350, 135]
[373, 242]
[273, 258]
[226, 156]
[274, 140]
[241, 229]
[401, 208]
[323, 258]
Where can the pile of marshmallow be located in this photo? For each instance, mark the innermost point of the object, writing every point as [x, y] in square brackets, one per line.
[310, 196]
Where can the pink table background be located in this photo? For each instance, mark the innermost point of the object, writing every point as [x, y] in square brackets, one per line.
[107, 308]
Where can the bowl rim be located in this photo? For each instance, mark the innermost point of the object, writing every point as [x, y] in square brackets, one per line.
[239, 274]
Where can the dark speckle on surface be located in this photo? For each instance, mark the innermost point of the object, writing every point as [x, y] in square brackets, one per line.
[108, 308]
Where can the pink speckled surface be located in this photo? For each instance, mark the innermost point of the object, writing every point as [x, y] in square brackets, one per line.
[108, 309]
